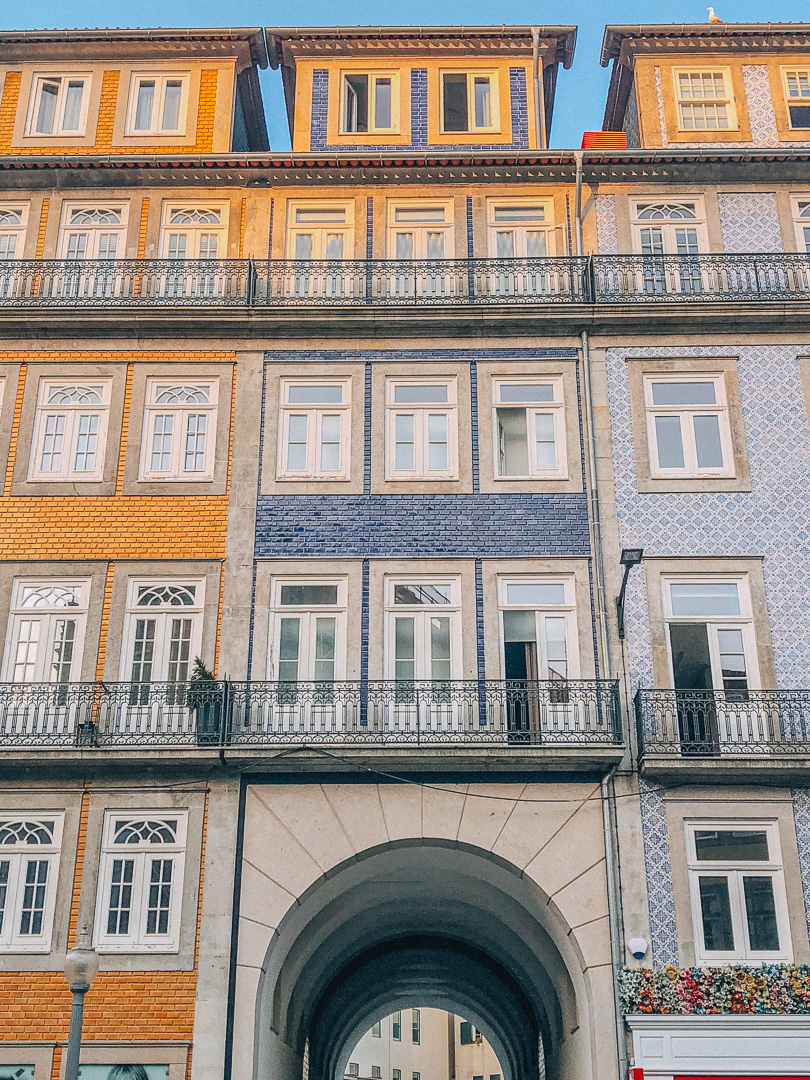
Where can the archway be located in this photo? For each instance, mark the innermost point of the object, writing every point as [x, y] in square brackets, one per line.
[428, 923]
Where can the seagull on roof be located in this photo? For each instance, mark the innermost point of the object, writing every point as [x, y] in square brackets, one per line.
[714, 18]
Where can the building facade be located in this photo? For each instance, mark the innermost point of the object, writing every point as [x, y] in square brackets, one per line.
[321, 469]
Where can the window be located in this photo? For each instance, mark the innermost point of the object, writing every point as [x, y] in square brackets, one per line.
[421, 429]
[179, 430]
[423, 629]
[669, 228]
[529, 428]
[141, 882]
[70, 431]
[157, 105]
[416, 1030]
[739, 909]
[29, 868]
[711, 640]
[13, 220]
[354, 1069]
[308, 629]
[704, 100]
[796, 82]
[59, 105]
[469, 101]
[319, 230]
[376, 1031]
[194, 232]
[92, 232]
[396, 1074]
[376, 1072]
[46, 631]
[801, 221]
[521, 230]
[688, 426]
[163, 631]
[419, 230]
[370, 102]
[396, 1026]
[538, 628]
[314, 429]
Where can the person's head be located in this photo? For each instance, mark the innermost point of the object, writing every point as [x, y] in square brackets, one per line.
[127, 1072]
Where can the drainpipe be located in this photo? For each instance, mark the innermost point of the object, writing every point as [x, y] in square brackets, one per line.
[614, 914]
[539, 96]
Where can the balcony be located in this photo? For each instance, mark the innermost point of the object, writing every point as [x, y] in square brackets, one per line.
[722, 730]
[237, 715]
[361, 284]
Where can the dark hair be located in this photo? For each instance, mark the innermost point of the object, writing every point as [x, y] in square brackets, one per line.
[127, 1072]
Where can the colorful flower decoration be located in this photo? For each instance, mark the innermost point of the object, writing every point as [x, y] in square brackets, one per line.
[775, 989]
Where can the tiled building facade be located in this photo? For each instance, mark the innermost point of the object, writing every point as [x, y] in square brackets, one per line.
[319, 474]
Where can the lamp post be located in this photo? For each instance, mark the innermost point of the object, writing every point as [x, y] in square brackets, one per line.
[630, 557]
[81, 967]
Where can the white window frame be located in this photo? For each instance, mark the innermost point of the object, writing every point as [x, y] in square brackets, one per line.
[421, 613]
[420, 229]
[744, 622]
[520, 227]
[801, 222]
[73, 431]
[194, 231]
[372, 74]
[137, 940]
[308, 613]
[93, 231]
[49, 601]
[320, 231]
[63, 79]
[160, 80]
[727, 100]
[421, 413]
[669, 222]
[566, 610]
[556, 408]
[803, 100]
[735, 871]
[162, 614]
[181, 432]
[18, 855]
[10, 230]
[472, 74]
[315, 413]
[686, 414]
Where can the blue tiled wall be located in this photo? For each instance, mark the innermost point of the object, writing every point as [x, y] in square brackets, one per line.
[519, 110]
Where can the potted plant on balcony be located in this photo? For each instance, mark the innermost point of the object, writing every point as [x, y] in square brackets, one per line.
[204, 699]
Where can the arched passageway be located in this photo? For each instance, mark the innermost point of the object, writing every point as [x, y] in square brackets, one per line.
[424, 923]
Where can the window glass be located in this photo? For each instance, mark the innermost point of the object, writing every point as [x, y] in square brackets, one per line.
[308, 394]
[295, 595]
[419, 213]
[519, 213]
[511, 392]
[535, 593]
[320, 216]
[408, 393]
[683, 393]
[735, 845]
[422, 594]
[705, 598]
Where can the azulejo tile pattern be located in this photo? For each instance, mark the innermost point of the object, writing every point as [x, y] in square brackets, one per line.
[760, 105]
[658, 867]
[607, 232]
[749, 221]
[770, 521]
[801, 817]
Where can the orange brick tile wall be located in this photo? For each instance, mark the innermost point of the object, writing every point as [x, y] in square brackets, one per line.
[106, 118]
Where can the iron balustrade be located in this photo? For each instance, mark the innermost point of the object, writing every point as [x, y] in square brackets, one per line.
[243, 714]
[717, 723]
[695, 278]
[281, 283]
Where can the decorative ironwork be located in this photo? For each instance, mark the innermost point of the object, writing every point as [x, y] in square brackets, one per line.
[145, 831]
[26, 832]
[724, 724]
[622, 279]
[510, 714]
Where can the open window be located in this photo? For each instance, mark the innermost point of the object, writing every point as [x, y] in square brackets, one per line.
[370, 102]
[58, 105]
[469, 101]
[529, 428]
[796, 83]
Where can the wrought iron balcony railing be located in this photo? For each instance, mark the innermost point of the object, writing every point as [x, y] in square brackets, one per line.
[497, 714]
[694, 278]
[723, 724]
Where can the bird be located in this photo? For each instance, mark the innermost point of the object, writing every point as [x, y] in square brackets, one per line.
[714, 18]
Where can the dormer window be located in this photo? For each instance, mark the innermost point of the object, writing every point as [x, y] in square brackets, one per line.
[369, 102]
[158, 105]
[59, 105]
[797, 96]
[469, 101]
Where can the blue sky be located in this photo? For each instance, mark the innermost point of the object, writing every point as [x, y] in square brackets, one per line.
[580, 91]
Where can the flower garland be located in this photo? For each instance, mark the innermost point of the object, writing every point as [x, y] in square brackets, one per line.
[775, 989]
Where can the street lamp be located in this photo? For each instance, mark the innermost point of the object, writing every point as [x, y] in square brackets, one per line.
[630, 557]
[81, 967]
